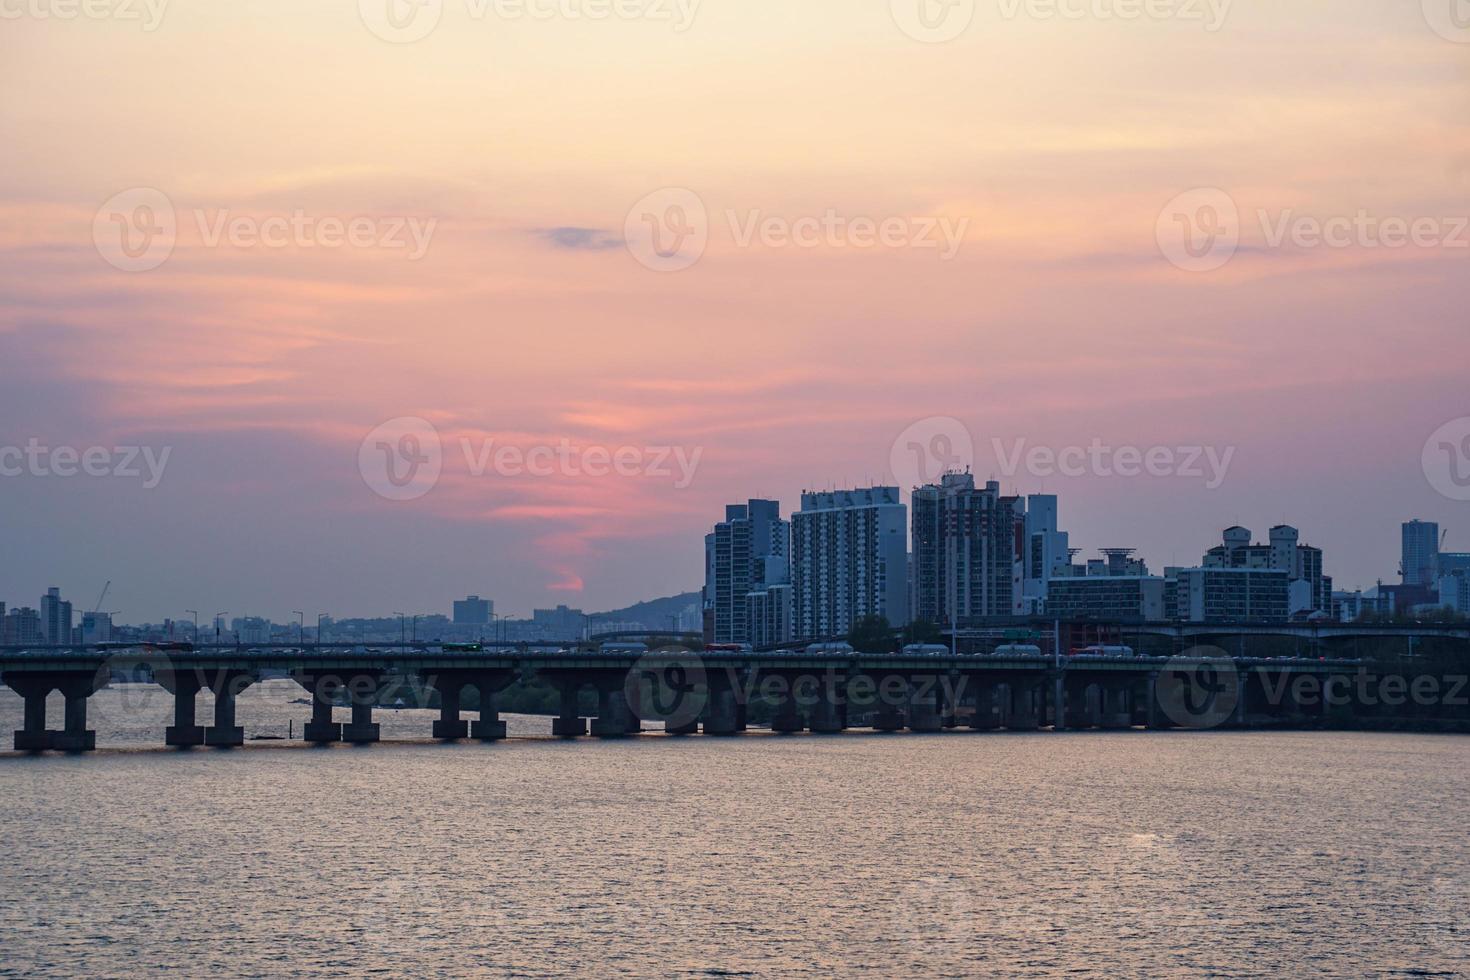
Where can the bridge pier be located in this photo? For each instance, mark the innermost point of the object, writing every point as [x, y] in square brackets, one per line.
[613, 716]
[1116, 712]
[449, 726]
[321, 729]
[987, 713]
[33, 735]
[721, 714]
[828, 711]
[570, 723]
[226, 686]
[76, 736]
[787, 720]
[1153, 718]
[490, 728]
[185, 731]
[1023, 715]
[925, 704]
[362, 692]
[1059, 703]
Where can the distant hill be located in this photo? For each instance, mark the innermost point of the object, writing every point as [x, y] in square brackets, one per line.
[654, 614]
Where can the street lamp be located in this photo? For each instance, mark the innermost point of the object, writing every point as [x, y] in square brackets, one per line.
[195, 614]
[319, 618]
[402, 631]
[219, 617]
[300, 627]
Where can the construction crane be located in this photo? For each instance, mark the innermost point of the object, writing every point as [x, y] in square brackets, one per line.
[98, 608]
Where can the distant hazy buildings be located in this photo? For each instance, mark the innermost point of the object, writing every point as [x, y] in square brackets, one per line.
[473, 611]
[746, 554]
[967, 541]
[1419, 551]
[560, 623]
[22, 626]
[849, 560]
[1309, 589]
[1223, 594]
[1112, 598]
[96, 627]
[56, 617]
[1045, 552]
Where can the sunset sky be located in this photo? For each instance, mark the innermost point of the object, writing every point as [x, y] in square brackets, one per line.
[524, 143]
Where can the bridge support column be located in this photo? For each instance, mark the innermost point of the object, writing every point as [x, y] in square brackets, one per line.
[185, 731]
[569, 724]
[362, 691]
[321, 729]
[1238, 717]
[1153, 717]
[224, 733]
[489, 728]
[1116, 712]
[826, 715]
[721, 716]
[449, 726]
[987, 715]
[1023, 716]
[32, 736]
[1059, 703]
[925, 704]
[76, 737]
[787, 719]
[613, 717]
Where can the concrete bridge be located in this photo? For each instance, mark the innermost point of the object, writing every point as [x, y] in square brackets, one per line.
[714, 692]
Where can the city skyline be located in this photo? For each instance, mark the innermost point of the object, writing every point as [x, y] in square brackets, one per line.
[950, 231]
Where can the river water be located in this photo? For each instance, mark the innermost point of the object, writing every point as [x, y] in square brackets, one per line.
[1093, 855]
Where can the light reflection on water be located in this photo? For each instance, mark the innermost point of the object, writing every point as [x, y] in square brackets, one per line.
[994, 855]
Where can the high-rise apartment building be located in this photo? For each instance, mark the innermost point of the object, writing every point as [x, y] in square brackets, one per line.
[55, 617]
[1420, 552]
[746, 552]
[849, 560]
[473, 611]
[970, 551]
[1310, 589]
